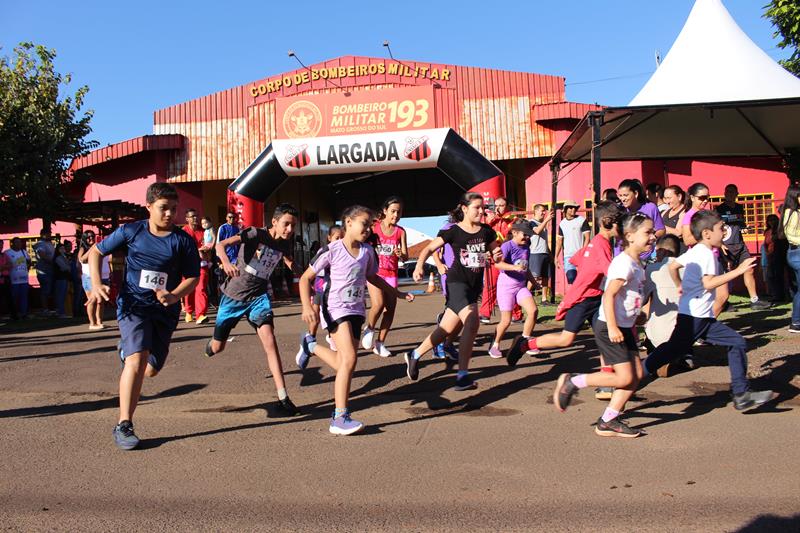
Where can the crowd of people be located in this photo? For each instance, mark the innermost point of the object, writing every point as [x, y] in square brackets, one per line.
[634, 272]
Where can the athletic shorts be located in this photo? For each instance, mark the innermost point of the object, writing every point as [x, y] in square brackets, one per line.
[509, 295]
[356, 323]
[615, 353]
[582, 312]
[734, 258]
[230, 311]
[149, 329]
[539, 265]
[86, 282]
[391, 280]
[460, 295]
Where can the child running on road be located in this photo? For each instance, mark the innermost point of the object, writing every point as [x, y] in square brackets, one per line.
[351, 263]
[583, 297]
[613, 330]
[696, 316]
[162, 266]
[389, 241]
[322, 280]
[512, 284]
[472, 243]
[244, 292]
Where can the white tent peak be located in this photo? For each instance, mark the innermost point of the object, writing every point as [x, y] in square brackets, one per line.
[713, 60]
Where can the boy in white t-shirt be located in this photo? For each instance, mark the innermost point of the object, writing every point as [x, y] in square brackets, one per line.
[695, 310]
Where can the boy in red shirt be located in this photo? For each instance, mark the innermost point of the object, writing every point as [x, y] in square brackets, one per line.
[584, 296]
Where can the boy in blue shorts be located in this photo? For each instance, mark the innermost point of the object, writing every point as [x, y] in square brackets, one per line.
[162, 266]
[244, 293]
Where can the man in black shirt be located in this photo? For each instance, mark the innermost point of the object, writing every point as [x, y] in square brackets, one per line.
[735, 250]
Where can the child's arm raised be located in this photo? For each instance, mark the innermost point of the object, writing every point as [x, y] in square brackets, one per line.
[613, 287]
[712, 282]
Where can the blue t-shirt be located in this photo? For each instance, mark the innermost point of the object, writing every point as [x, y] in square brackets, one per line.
[151, 262]
[226, 231]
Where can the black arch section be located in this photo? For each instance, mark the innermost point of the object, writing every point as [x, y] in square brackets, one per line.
[459, 161]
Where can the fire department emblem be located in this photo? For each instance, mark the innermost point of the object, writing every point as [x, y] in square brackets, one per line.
[302, 119]
[297, 156]
[417, 149]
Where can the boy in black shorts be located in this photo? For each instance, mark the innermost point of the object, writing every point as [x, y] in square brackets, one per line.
[162, 266]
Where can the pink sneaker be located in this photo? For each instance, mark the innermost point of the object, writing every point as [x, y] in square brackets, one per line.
[495, 353]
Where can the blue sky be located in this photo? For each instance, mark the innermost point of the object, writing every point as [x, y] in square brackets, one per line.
[137, 57]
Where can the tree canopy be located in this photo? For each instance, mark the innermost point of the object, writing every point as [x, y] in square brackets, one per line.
[42, 129]
[785, 16]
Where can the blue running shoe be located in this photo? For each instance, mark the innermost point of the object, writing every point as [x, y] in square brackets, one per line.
[121, 355]
[305, 352]
[344, 425]
[124, 437]
[451, 351]
[465, 383]
[438, 351]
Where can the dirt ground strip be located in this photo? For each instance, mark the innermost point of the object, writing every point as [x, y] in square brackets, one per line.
[216, 457]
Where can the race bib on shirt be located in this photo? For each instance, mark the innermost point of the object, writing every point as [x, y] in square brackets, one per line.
[150, 279]
[353, 294]
[385, 249]
[263, 262]
[474, 259]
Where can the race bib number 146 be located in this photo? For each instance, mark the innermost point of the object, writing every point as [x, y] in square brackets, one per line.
[150, 279]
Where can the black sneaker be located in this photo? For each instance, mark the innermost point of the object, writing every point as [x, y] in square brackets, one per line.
[285, 407]
[759, 305]
[518, 347]
[208, 352]
[124, 437]
[794, 328]
[564, 392]
[616, 428]
[412, 368]
[752, 399]
[465, 383]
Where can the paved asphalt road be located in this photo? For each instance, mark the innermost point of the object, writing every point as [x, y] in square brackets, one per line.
[215, 458]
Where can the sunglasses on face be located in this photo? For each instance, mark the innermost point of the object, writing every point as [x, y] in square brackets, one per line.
[702, 198]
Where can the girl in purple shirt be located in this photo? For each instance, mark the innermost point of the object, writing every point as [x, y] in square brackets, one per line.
[350, 263]
[512, 284]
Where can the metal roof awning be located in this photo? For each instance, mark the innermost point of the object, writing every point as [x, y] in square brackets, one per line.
[102, 213]
[754, 128]
[145, 143]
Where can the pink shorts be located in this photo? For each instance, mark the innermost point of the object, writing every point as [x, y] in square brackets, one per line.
[508, 295]
[390, 280]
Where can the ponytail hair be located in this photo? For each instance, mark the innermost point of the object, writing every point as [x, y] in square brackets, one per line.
[386, 203]
[457, 215]
[354, 211]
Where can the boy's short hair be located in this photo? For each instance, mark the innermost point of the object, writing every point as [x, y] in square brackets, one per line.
[539, 206]
[703, 220]
[284, 209]
[669, 243]
[159, 190]
[610, 210]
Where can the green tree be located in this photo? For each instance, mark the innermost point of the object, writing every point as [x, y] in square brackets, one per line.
[785, 16]
[41, 131]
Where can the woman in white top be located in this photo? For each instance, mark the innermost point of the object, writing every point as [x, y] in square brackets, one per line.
[790, 229]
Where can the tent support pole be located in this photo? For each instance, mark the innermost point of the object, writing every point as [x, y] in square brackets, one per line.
[762, 135]
[555, 168]
[595, 122]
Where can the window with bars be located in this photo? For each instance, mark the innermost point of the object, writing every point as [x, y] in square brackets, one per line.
[756, 209]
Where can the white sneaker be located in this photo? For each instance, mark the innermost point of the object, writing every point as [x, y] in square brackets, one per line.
[330, 342]
[381, 350]
[367, 339]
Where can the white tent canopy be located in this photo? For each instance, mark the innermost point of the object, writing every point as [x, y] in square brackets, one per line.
[715, 95]
[713, 60]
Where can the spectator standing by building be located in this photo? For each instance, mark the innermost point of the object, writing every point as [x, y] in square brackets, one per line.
[210, 258]
[61, 277]
[773, 260]
[735, 250]
[45, 270]
[75, 276]
[5, 283]
[655, 194]
[789, 229]
[539, 263]
[94, 308]
[227, 230]
[573, 234]
[20, 264]
[195, 304]
[675, 200]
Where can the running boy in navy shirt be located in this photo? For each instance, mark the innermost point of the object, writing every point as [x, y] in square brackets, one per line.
[162, 266]
[696, 314]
